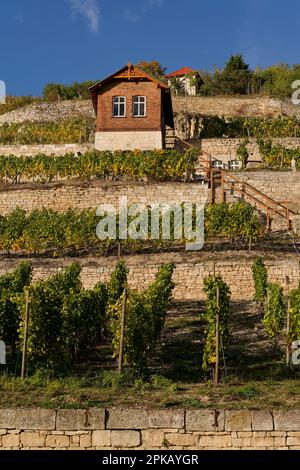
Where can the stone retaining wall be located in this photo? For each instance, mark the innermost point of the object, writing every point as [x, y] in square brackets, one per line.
[235, 106]
[119, 428]
[188, 276]
[228, 106]
[61, 197]
[225, 149]
[46, 112]
[50, 149]
[220, 149]
[282, 186]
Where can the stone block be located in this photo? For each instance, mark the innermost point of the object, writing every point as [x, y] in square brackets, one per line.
[152, 438]
[215, 442]
[86, 440]
[10, 440]
[120, 418]
[262, 442]
[182, 440]
[262, 421]
[287, 420]
[237, 420]
[101, 439]
[293, 441]
[125, 439]
[204, 420]
[166, 419]
[57, 441]
[32, 439]
[32, 419]
[76, 420]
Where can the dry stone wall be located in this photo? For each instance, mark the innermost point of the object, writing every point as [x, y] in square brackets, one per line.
[226, 149]
[283, 186]
[50, 149]
[124, 429]
[227, 106]
[46, 112]
[220, 149]
[234, 106]
[81, 196]
[191, 268]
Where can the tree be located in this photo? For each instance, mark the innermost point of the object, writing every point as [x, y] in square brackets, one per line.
[234, 78]
[153, 68]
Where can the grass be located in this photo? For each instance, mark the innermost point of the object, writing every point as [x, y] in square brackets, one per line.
[72, 392]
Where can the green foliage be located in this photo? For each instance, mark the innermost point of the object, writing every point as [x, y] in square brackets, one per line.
[277, 80]
[83, 315]
[242, 127]
[237, 78]
[242, 153]
[11, 286]
[145, 318]
[46, 326]
[76, 91]
[274, 312]
[154, 68]
[278, 155]
[260, 277]
[211, 284]
[16, 102]
[117, 282]
[282, 126]
[232, 220]
[218, 126]
[294, 331]
[47, 231]
[75, 130]
[44, 229]
[234, 78]
[160, 165]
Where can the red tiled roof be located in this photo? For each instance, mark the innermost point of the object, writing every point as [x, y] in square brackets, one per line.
[181, 72]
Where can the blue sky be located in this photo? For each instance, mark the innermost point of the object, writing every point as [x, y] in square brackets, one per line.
[62, 41]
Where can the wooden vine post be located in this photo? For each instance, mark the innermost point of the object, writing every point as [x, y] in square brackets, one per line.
[216, 381]
[25, 339]
[121, 351]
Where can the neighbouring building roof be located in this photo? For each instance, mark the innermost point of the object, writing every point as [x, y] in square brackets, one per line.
[181, 72]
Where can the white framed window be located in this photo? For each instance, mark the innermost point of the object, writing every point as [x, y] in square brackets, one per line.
[119, 106]
[234, 164]
[218, 164]
[139, 106]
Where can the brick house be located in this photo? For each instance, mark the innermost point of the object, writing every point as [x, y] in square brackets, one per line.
[133, 111]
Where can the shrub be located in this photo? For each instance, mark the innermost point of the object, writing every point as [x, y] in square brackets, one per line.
[74, 130]
[160, 165]
[260, 277]
[11, 287]
[145, 318]
[274, 312]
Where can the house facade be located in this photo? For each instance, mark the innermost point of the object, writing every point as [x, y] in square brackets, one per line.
[185, 80]
[133, 111]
